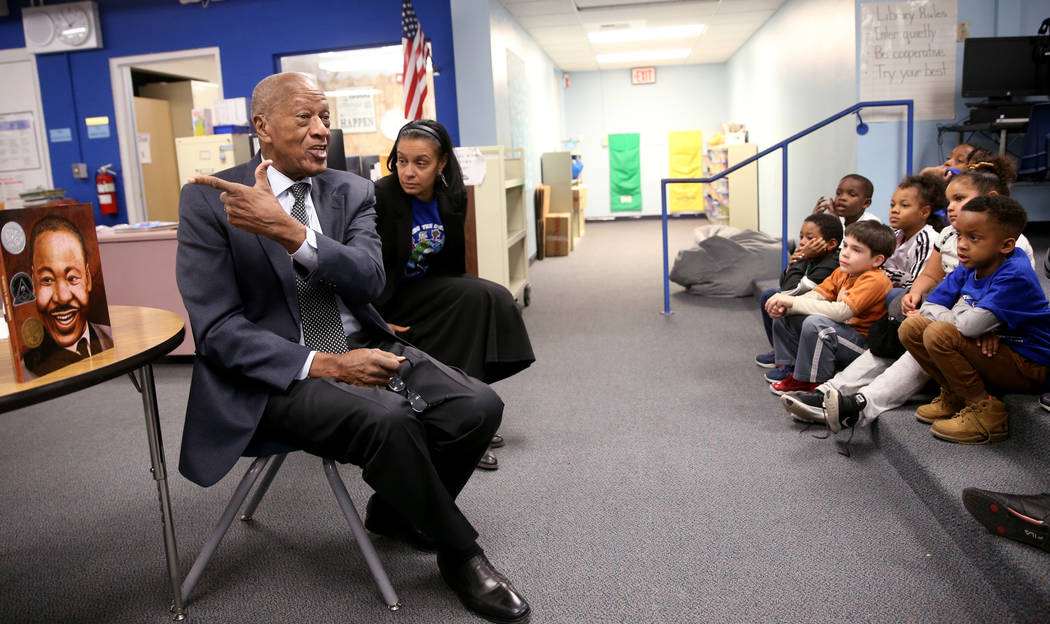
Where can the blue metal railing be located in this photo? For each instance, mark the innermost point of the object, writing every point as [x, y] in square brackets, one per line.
[909, 104]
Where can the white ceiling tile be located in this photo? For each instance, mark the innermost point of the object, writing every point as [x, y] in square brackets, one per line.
[561, 29]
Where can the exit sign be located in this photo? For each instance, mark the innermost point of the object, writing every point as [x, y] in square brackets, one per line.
[643, 75]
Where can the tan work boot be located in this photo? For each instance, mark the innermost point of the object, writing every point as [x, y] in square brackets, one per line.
[946, 405]
[977, 423]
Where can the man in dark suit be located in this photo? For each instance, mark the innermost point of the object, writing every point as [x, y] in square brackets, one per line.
[278, 261]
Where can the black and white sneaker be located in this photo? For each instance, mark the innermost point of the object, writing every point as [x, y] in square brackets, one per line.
[804, 407]
[843, 410]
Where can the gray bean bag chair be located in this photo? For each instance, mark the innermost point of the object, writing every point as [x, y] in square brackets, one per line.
[727, 261]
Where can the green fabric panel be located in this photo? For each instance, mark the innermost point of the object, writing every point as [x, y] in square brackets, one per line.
[625, 172]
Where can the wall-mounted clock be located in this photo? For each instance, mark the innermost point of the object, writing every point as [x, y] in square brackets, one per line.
[62, 27]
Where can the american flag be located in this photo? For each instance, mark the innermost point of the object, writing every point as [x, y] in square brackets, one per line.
[417, 52]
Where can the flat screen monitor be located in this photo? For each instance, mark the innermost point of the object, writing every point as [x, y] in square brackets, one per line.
[1001, 67]
[336, 151]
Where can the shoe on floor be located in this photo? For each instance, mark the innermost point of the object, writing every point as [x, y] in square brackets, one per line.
[488, 461]
[1016, 516]
[978, 423]
[843, 409]
[946, 405]
[804, 407]
[1044, 401]
[766, 360]
[482, 589]
[780, 373]
[497, 441]
[790, 384]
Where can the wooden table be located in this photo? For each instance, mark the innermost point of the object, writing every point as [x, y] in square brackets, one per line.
[140, 336]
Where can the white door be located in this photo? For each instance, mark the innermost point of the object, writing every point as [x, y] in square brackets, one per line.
[25, 163]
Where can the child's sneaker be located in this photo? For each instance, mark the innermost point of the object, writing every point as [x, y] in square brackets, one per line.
[804, 407]
[1018, 517]
[766, 360]
[1044, 401]
[843, 410]
[946, 405]
[979, 423]
[790, 384]
[779, 373]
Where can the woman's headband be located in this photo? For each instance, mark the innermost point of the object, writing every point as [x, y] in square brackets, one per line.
[425, 129]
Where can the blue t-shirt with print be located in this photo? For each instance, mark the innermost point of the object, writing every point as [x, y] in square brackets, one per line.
[1013, 294]
[428, 237]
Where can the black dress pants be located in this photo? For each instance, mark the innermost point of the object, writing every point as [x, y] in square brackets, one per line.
[416, 462]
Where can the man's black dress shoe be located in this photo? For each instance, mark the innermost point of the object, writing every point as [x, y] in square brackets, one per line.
[488, 461]
[383, 522]
[483, 590]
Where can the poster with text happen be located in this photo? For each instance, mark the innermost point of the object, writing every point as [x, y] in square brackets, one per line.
[907, 52]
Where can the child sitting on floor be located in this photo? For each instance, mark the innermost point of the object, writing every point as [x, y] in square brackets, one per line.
[911, 214]
[987, 324]
[852, 199]
[810, 264]
[956, 162]
[826, 328]
[871, 385]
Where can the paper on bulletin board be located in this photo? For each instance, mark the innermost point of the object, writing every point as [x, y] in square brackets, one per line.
[11, 185]
[357, 113]
[473, 164]
[18, 149]
[908, 53]
[685, 149]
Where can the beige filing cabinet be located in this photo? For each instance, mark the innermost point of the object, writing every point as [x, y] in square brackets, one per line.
[500, 221]
[204, 155]
[183, 96]
[156, 148]
[734, 198]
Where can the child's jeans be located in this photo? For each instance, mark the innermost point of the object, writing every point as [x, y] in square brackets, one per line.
[816, 345]
[767, 322]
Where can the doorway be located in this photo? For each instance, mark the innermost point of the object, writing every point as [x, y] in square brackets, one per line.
[127, 75]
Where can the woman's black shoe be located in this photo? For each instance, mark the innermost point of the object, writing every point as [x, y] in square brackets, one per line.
[488, 461]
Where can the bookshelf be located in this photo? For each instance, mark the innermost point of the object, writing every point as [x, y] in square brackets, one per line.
[500, 219]
[733, 200]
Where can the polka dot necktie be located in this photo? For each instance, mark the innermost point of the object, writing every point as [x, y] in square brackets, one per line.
[322, 327]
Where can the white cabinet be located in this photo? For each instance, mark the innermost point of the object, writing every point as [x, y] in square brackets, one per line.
[500, 221]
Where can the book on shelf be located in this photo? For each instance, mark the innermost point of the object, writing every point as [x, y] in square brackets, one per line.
[54, 298]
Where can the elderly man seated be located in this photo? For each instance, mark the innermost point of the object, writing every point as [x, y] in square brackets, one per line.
[278, 261]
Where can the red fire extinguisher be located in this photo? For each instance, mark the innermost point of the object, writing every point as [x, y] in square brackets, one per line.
[106, 183]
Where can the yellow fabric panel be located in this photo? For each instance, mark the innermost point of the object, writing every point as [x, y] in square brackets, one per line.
[686, 153]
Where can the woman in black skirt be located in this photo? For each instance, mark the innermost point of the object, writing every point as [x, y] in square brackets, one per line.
[429, 298]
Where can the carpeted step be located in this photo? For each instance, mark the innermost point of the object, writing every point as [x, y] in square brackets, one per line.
[938, 471]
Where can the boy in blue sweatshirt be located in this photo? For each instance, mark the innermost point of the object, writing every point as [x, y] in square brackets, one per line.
[986, 325]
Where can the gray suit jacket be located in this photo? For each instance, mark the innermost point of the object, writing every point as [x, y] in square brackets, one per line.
[239, 290]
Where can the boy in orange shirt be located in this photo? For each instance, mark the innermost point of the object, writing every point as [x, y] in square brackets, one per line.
[827, 328]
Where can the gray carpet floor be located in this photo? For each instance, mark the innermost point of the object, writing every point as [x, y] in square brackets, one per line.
[648, 476]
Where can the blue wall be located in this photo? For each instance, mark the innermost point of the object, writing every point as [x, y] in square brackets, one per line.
[250, 36]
